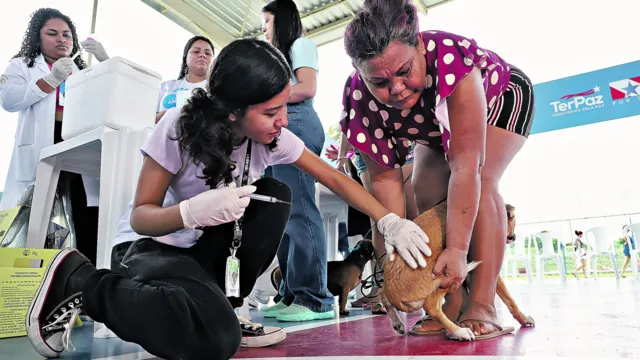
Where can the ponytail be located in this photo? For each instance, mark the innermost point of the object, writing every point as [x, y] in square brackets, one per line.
[204, 133]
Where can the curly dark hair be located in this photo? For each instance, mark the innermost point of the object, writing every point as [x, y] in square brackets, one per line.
[30, 48]
[247, 72]
[184, 68]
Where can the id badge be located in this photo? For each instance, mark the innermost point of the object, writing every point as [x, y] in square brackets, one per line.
[232, 277]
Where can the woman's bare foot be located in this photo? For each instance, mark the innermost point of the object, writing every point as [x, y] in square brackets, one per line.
[451, 308]
[474, 315]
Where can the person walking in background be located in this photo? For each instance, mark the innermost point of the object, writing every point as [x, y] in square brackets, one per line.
[581, 254]
[629, 242]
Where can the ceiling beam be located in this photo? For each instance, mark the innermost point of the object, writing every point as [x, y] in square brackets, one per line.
[198, 20]
[330, 32]
[321, 8]
[193, 20]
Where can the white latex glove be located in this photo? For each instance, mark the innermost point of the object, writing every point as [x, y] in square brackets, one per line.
[96, 48]
[60, 71]
[405, 237]
[215, 207]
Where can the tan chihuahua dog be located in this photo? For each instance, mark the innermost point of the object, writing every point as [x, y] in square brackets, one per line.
[410, 290]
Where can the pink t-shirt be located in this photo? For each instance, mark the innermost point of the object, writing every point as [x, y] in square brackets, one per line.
[187, 181]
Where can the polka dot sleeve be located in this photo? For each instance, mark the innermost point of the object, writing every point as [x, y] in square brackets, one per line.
[364, 122]
[450, 58]
[454, 56]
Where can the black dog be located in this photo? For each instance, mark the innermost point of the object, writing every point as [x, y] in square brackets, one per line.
[344, 276]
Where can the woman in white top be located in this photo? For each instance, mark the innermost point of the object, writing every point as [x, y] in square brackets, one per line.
[302, 256]
[33, 86]
[177, 284]
[196, 62]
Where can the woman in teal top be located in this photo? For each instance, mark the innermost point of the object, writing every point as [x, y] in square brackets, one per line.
[302, 255]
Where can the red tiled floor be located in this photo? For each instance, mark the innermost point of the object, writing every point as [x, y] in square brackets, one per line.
[585, 319]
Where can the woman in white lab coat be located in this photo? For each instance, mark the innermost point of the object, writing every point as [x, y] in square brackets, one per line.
[33, 86]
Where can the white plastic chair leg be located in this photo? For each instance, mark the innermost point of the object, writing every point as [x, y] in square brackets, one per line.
[331, 234]
[614, 263]
[44, 193]
[561, 270]
[110, 174]
[541, 270]
[634, 265]
[317, 195]
[527, 265]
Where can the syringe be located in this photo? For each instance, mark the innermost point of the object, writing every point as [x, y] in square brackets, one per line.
[266, 198]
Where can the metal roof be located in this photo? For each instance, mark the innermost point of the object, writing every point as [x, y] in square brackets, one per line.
[223, 21]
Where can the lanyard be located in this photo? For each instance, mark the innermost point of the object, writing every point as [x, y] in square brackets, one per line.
[237, 233]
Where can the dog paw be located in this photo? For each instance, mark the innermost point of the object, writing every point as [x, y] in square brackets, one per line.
[524, 320]
[529, 322]
[344, 312]
[463, 334]
[400, 328]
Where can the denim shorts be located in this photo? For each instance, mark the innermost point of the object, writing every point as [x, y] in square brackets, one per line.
[361, 166]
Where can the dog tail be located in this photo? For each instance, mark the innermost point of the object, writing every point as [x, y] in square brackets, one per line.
[472, 265]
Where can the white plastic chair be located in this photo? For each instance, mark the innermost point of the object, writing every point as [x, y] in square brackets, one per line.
[634, 252]
[333, 211]
[601, 239]
[519, 251]
[549, 252]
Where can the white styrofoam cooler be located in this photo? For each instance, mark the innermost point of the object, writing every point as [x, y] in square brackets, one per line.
[116, 93]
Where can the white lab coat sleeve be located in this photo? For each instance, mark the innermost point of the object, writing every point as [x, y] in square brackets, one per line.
[17, 92]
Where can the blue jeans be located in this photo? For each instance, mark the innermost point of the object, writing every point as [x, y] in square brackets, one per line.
[302, 255]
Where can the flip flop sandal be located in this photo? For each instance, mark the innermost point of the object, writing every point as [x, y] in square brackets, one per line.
[363, 302]
[414, 330]
[499, 332]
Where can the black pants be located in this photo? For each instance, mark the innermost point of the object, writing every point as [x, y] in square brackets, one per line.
[171, 301]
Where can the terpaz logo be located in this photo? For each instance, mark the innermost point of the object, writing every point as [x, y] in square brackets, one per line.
[583, 101]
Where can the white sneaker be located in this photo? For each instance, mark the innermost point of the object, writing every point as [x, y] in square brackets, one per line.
[258, 296]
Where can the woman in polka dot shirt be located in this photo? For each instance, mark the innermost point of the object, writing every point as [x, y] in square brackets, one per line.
[469, 112]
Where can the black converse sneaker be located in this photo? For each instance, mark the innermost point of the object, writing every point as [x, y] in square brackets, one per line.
[57, 302]
[255, 335]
